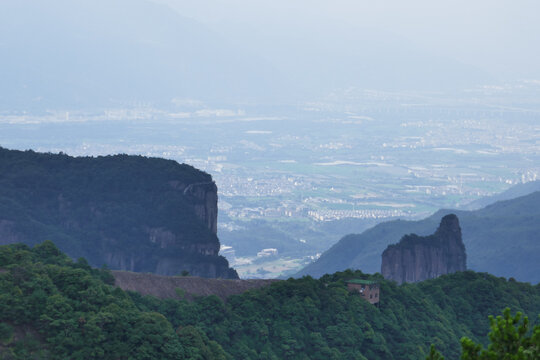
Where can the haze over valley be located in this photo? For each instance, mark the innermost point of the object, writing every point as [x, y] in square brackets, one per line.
[315, 126]
[297, 178]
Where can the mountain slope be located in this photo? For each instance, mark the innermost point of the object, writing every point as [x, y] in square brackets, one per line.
[502, 239]
[63, 53]
[103, 53]
[511, 193]
[51, 307]
[127, 212]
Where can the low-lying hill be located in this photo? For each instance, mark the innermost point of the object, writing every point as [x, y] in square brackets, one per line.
[502, 239]
[127, 212]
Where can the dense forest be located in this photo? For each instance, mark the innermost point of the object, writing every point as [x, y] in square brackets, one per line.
[129, 212]
[54, 308]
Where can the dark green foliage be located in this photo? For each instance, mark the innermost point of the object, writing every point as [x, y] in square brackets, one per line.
[320, 319]
[509, 340]
[104, 208]
[434, 354]
[197, 346]
[69, 312]
[6, 332]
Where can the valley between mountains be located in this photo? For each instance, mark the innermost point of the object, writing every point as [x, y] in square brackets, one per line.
[116, 257]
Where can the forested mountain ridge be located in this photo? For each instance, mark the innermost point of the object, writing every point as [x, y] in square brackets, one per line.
[54, 308]
[127, 212]
[502, 239]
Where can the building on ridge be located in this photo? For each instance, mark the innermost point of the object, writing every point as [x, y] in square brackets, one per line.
[368, 289]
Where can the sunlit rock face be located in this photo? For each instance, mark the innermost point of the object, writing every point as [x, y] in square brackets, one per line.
[416, 258]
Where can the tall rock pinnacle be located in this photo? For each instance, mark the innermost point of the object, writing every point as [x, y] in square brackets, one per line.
[416, 258]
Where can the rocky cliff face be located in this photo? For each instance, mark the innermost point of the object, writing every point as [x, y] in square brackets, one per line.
[205, 204]
[127, 212]
[178, 252]
[204, 199]
[416, 258]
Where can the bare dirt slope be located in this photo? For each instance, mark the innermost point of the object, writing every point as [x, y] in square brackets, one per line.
[167, 286]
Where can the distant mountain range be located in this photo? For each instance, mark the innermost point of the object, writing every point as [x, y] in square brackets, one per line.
[92, 53]
[98, 52]
[513, 192]
[502, 239]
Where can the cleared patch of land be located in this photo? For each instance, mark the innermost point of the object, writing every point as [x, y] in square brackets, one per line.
[184, 287]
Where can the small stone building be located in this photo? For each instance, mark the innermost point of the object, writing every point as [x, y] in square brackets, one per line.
[368, 289]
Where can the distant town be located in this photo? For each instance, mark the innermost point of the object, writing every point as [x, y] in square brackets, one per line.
[359, 157]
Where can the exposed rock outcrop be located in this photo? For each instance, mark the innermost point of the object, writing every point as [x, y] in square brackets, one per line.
[205, 202]
[127, 212]
[204, 198]
[416, 258]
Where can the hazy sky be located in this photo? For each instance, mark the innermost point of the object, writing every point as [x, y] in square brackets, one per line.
[499, 36]
[254, 50]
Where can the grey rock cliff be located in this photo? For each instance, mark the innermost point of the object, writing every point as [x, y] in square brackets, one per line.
[205, 202]
[417, 258]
